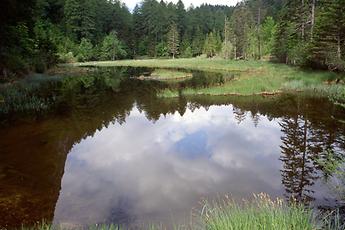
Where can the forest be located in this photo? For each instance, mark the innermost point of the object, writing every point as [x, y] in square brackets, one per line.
[37, 34]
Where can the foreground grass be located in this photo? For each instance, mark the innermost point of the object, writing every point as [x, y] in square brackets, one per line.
[255, 77]
[261, 212]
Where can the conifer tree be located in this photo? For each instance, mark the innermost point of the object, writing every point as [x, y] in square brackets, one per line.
[329, 40]
[73, 17]
[173, 40]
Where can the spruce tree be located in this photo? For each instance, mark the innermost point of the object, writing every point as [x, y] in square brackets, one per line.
[173, 40]
[73, 18]
[328, 45]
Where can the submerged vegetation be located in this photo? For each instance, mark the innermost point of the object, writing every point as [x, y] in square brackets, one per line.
[38, 93]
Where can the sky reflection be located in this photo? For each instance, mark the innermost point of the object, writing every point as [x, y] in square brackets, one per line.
[148, 172]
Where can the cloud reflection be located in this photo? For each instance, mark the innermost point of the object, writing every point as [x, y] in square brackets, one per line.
[143, 172]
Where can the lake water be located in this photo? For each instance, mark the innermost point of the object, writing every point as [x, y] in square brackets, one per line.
[131, 158]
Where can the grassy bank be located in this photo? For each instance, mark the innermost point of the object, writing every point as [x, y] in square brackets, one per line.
[260, 212]
[254, 77]
[168, 74]
[185, 63]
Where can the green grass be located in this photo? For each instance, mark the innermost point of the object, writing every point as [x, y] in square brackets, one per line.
[185, 63]
[169, 74]
[256, 77]
[260, 213]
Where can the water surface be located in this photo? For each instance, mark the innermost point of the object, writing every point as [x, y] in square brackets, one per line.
[128, 157]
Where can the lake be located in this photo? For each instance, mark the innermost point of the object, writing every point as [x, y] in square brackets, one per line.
[128, 157]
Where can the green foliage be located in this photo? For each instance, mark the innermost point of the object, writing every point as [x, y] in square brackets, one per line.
[212, 44]
[268, 31]
[39, 33]
[86, 51]
[47, 37]
[198, 42]
[38, 94]
[241, 24]
[187, 53]
[328, 45]
[18, 49]
[173, 40]
[112, 48]
[260, 213]
[162, 50]
[72, 18]
[227, 51]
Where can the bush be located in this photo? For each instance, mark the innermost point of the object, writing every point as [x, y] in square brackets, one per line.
[187, 53]
[85, 50]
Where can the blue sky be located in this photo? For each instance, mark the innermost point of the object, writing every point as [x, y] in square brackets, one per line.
[132, 3]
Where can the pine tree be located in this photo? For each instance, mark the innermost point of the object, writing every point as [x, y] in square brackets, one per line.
[211, 46]
[227, 47]
[88, 19]
[181, 17]
[173, 40]
[198, 42]
[72, 18]
[329, 39]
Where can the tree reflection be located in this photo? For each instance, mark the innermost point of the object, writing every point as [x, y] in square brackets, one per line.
[306, 143]
[298, 173]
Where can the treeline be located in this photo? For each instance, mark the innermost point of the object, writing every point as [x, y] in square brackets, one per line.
[39, 33]
[36, 34]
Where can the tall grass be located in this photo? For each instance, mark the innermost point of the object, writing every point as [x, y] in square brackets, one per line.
[260, 213]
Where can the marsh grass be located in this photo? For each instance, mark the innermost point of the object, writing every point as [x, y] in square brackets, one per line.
[38, 94]
[30, 94]
[169, 74]
[259, 213]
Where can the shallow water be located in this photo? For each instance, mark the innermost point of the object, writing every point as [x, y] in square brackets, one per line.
[128, 157]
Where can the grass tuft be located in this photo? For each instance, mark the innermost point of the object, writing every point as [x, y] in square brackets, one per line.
[259, 213]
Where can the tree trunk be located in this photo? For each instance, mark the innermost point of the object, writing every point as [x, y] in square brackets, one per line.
[339, 48]
[259, 39]
[302, 14]
[312, 19]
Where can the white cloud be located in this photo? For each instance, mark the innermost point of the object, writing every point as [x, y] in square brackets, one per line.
[153, 171]
[131, 3]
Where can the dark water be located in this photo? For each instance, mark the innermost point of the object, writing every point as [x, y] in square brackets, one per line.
[128, 157]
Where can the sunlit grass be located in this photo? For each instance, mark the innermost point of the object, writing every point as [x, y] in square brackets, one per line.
[259, 213]
[257, 77]
[186, 63]
[169, 74]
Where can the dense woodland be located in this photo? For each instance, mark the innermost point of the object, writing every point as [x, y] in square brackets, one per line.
[36, 34]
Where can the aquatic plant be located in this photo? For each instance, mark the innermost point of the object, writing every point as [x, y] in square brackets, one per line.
[40, 93]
